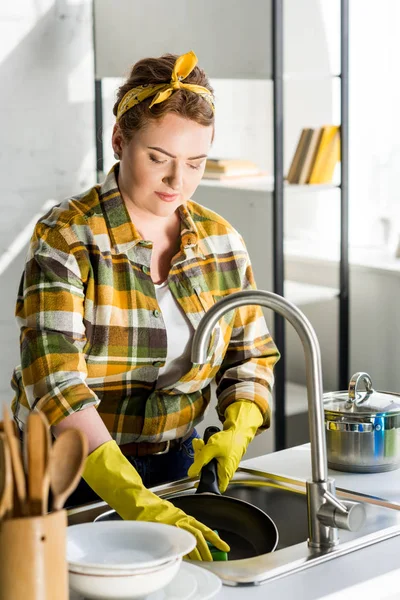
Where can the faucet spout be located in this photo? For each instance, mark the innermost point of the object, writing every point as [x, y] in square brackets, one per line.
[323, 506]
[312, 354]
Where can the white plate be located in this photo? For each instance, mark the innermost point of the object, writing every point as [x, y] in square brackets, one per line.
[123, 587]
[126, 545]
[104, 570]
[190, 583]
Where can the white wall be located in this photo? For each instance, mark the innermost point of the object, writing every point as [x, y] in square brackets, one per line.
[374, 324]
[375, 121]
[47, 130]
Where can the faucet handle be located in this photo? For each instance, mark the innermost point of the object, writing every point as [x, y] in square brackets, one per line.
[344, 515]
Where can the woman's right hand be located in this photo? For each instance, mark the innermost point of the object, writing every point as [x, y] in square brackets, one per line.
[116, 481]
[162, 511]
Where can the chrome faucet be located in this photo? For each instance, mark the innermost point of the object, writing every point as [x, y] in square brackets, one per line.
[325, 512]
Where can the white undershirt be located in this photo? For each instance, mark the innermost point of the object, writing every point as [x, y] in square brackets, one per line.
[179, 337]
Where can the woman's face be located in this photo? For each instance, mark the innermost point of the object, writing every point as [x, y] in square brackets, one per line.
[167, 157]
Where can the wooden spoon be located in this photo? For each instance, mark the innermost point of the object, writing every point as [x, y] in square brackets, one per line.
[67, 460]
[6, 479]
[46, 476]
[20, 508]
[36, 458]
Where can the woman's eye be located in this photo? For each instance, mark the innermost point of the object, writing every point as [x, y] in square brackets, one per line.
[159, 162]
[195, 167]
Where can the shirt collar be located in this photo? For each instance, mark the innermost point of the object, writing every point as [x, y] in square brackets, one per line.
[123, 232]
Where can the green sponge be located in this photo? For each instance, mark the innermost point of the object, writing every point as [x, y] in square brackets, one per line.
[215, 553]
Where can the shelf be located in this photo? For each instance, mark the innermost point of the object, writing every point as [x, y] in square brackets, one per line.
[378, 258]
[306, 293]
[264, 184]
[310, 76]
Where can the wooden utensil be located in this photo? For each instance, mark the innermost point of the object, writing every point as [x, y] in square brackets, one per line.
[46, 477]
[20, 507]
[36, 458]
[6, 479]
[67, 460]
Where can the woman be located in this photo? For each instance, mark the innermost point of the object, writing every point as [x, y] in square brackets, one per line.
[115, 283]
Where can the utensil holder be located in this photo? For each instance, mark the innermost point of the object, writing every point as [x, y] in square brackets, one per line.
[33, 562]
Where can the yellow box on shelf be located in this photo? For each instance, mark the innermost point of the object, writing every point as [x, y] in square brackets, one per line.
[327, 155]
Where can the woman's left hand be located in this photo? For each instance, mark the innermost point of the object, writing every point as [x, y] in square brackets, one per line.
[242, 419]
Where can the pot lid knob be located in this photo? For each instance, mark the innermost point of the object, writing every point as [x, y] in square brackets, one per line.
[355, 380]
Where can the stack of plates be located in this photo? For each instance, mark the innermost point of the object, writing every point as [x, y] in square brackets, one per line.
[124, 559]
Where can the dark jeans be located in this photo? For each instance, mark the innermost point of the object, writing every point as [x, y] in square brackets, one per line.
[154, 470]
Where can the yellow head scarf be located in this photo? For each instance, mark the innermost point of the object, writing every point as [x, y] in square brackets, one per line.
[184, 65]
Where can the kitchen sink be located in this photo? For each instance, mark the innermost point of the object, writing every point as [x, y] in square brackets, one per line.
[288, 509]
[285, 501]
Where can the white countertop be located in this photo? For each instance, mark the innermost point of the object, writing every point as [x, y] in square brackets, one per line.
[296, 463]
[372, 570]
[352, 576]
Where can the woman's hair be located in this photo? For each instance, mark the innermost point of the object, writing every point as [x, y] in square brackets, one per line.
[182, 102]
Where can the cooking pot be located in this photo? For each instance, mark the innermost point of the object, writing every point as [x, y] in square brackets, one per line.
[362, 428]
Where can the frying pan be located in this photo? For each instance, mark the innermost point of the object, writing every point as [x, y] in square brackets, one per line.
[247, 529]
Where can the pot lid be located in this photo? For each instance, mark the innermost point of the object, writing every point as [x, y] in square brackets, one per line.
[363, 403]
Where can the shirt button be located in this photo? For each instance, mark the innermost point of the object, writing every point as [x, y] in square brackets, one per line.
[145, 269]
[156, 313]
[157, 363]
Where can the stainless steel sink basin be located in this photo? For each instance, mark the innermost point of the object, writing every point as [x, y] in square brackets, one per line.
[288, 509]
[286, 503]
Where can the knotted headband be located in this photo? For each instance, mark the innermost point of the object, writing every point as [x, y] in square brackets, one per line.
[184, 65]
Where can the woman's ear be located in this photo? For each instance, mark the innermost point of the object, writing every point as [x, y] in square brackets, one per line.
[117, 141]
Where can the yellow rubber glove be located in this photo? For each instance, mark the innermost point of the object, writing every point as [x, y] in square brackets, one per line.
[242, 419]
[117, 482]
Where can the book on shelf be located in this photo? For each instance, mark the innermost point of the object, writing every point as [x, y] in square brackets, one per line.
[218, 168]
[316, 155]
[299, 155]
[312, 149]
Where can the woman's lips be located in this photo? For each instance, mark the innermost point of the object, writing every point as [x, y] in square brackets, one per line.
[167, 197]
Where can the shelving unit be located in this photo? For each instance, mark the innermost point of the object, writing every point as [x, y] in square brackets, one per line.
[222, 57]
[306, 293]
[279, 194]
[266, 184]
[261, 189]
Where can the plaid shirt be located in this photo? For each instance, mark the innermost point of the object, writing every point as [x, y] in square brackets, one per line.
[91, 334]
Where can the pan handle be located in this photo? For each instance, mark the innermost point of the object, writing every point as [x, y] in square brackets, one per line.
[208, 477]
[209, 432]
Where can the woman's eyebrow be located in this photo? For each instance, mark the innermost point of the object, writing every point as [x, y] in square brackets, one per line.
[172, 156]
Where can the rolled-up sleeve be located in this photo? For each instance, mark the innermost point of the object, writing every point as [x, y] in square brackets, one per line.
[50, 314]
[246, 372]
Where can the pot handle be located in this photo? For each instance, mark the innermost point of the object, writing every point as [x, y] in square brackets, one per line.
[208, 483]
[355, 380]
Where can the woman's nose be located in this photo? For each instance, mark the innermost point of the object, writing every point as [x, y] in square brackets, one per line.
[174, 177]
